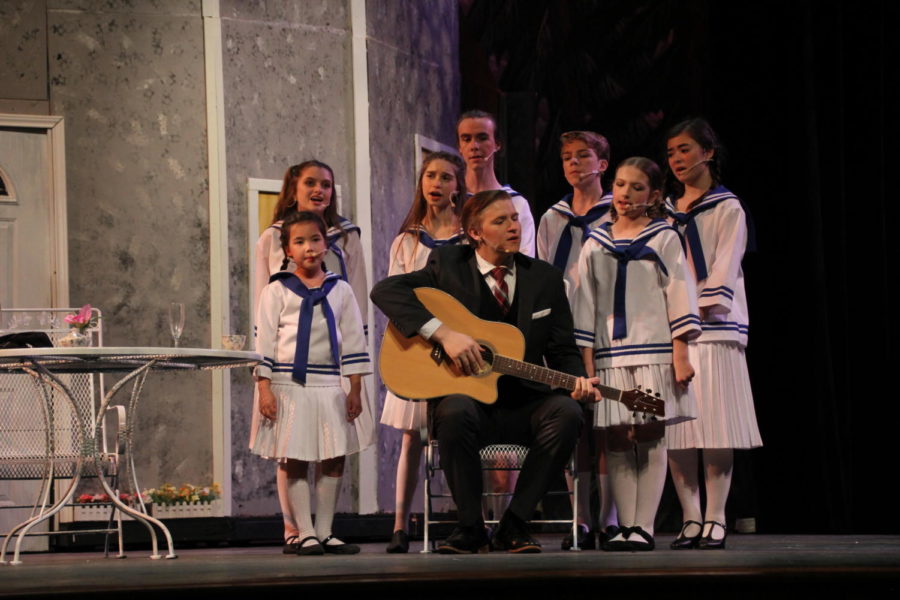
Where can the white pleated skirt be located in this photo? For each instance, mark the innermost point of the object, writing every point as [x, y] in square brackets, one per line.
[311, 425]
[727, 418]
[680, 403]
[405, 415]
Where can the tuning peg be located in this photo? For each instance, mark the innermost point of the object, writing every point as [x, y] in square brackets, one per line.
[657, 395]
[649, 391]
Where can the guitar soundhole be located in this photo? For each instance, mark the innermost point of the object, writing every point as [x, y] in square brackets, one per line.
[487, 353]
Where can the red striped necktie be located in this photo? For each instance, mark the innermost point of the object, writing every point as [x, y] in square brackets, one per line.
[501, 290]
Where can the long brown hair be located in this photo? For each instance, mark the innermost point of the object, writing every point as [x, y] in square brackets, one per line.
[287, 198]
[699, 130]
[419, 207]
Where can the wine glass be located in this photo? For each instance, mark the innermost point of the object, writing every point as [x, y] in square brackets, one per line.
[176, 320]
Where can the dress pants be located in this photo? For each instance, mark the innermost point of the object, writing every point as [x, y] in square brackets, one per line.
[547, 423]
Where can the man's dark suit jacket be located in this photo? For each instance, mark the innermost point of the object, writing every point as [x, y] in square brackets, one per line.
[543, 316]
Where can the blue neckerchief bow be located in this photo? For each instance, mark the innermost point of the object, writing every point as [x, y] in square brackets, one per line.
[692, 234]
[583, 222]
[637, 250]
[311, 297]
[432, 243]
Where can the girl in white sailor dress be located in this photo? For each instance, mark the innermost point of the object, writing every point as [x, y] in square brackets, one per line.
[635, 310]
[713, 224]
[432, 222]
[310, 186]
[562, 232]
[310, 334]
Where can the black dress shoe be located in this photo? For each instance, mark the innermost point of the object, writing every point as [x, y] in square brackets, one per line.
[290, 545]
[707, 542]
[585, 539]
[399, 543]
[465, 540]
[512, 535]
[339, 548]
[638, 546]
[683, 542]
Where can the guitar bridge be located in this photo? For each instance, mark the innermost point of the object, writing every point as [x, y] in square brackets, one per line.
[437, 354]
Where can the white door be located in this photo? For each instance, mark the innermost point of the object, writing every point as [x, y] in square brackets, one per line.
[28, 255]
[26, 227]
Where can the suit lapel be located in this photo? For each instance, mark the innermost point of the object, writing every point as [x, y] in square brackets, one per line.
[471, 285]
[525, 294]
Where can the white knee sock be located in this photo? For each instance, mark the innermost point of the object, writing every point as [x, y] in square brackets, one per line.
[326, 501]
[718, 463]
[651, 463]
[299, 499]
[622, 467]
[683, 465]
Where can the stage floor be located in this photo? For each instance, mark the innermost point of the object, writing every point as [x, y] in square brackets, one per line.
[841, 566]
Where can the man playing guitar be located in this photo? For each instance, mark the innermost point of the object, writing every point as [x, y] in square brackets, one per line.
[497, 283]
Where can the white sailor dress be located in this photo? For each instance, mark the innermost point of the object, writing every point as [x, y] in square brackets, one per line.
[345, 258]
[715, 238]
[306, 353]
[562, 233]
[633, 297]
[409, 252]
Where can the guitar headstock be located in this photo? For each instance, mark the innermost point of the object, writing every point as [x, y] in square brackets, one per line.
[639, 401]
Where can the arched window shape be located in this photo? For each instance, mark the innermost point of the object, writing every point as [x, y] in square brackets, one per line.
[7, 191]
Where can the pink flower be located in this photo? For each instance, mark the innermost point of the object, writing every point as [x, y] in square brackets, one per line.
[80, 320]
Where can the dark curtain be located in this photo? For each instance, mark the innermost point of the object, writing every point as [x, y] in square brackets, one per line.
[801, 94]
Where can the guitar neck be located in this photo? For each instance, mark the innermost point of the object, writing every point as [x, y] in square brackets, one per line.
[555, 379]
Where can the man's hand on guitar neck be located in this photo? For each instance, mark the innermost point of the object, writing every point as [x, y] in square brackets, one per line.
[463, 350]
[585, 391]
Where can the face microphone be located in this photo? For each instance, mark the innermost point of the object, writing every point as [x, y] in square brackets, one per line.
[696, 164]
[588, 174]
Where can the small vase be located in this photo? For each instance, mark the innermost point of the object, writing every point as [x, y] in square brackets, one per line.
[76, 338]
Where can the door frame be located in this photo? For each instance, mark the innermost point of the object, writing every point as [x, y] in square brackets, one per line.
[54, 127]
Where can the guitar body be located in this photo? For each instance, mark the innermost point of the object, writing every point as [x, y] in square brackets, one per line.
[409, 367]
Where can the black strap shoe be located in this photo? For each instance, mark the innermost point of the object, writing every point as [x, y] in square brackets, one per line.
[683, 542]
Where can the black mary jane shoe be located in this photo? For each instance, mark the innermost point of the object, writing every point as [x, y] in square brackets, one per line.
[683, 542]
[290, 545]
[622, 545]
[311, 549]
[611, 531]
[707, 542]
[638, 546]
[399, 543]
[341, 548]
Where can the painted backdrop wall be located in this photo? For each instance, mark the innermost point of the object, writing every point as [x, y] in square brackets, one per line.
[130, 81]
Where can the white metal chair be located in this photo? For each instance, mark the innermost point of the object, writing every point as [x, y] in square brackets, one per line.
[494, 457]
[41, 433]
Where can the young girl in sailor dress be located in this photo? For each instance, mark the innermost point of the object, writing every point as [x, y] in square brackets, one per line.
[561, 234]
[310, 186]
[714, 227]
[310, 334]
[635, 309]
[432, 222]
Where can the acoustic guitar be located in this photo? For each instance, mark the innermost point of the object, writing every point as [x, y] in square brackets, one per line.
[417, 369]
